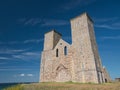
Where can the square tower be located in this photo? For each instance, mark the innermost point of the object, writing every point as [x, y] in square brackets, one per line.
[87, 66]
[51, 39]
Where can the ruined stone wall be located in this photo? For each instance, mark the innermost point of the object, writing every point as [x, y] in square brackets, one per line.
[46, 66]
[106, 75]
[56, 68]
[80, 62]
[95, 51]
[61, 64]
[85, 66]
[47, 57]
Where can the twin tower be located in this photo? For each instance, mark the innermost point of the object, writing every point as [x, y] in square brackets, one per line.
[76, 62]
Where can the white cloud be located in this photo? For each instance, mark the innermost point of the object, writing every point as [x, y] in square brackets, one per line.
[31, 53]
[29, 75]
[18, 56]
[22, 75]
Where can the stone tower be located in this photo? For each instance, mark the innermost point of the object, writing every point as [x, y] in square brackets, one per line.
[78, 62]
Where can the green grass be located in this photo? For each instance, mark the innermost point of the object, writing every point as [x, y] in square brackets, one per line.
[15, 87]
[66, 86]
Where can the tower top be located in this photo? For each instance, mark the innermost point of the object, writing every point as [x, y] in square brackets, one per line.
[54, 32]
[85, 13]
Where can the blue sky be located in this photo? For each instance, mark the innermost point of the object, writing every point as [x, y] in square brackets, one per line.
[24, 22]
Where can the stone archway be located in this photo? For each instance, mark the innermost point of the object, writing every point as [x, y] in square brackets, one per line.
[62, 74]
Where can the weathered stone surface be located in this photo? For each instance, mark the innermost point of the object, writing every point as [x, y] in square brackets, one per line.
[78, 62]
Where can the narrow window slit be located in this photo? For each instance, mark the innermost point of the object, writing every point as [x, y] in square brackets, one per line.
[65, 50]
[56, 52]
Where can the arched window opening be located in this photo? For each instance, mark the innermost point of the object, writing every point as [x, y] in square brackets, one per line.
[65, 50]
[56, 52]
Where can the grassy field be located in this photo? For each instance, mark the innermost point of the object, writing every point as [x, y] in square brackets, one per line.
[65, 86]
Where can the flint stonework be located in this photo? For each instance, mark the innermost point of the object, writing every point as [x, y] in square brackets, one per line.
[76, 62]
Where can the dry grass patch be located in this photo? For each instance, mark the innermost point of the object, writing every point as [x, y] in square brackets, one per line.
[68, 86]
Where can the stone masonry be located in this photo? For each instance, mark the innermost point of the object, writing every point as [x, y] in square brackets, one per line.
[76, 62]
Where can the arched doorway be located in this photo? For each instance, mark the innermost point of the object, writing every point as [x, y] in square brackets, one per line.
[62, 74]
[105, 80]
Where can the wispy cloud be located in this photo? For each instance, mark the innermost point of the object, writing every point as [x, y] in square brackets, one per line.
[43, 22]
[11, 51]
[111, 38]
[31, 21]
[54, 22]
[33, 41]
[27, 56]
[22, 75]
[31, 53]
[23, 42]
[3, 58]
[107, 26]
[112, 23]
[18, 56]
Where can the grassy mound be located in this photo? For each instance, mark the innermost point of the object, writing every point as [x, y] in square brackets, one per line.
[66, 86]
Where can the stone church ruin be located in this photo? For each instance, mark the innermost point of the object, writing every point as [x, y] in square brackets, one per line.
[76, 62]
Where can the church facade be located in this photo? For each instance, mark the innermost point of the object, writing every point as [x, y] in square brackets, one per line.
[76, 62]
